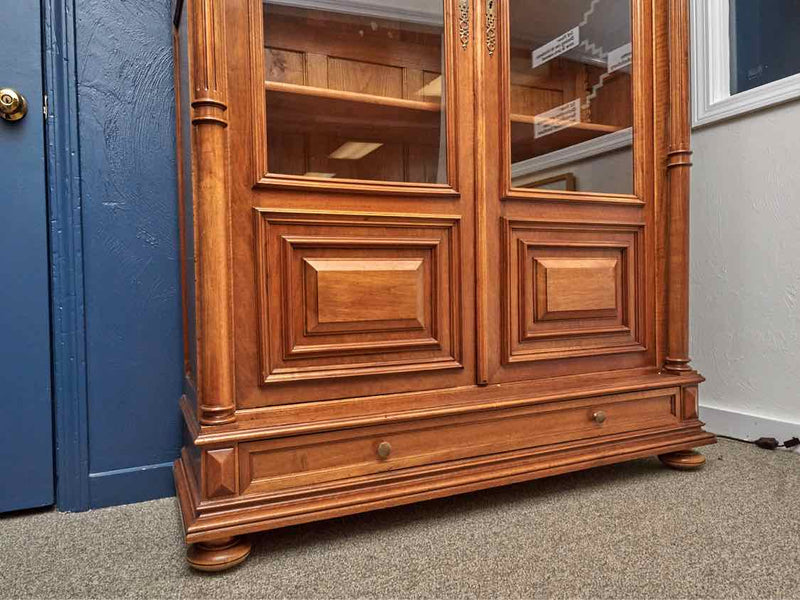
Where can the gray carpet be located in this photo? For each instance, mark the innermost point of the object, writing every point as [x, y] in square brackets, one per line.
[627, 531]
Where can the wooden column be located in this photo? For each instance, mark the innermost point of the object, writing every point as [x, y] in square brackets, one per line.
[678, 168]
[212, 212]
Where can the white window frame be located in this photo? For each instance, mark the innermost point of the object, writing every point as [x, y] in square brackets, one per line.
[711, 84]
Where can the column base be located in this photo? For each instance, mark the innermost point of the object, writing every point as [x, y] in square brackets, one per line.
[683, 460]
[218, 555]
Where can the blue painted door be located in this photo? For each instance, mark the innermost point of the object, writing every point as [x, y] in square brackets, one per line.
[26, 439]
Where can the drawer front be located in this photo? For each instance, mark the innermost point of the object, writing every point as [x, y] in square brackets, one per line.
[301, 461]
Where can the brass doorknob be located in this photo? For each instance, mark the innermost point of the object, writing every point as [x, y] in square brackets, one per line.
[599, 416]
[384, 449]
[13, 105]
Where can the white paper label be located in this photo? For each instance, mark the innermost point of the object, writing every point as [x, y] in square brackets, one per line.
[559, 118]
[558, 46]
[620, 58]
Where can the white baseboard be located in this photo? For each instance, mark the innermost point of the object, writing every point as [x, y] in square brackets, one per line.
[743, 426]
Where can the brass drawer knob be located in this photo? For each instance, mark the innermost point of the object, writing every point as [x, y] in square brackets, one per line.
[599, 416]
[384, 449]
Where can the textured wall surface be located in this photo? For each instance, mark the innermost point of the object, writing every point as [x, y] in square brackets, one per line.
[127, 134]
[745, 282]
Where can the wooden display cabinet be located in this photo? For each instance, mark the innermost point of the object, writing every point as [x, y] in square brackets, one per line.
[375, 311]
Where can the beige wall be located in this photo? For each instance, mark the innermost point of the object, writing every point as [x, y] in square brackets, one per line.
[745, 266]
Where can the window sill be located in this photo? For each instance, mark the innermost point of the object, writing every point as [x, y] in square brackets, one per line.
[765, 96]
[711, 99]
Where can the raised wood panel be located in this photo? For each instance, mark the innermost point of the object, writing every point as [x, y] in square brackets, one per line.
[345, 291]
[357, 294]
[359, 318]
[565, 286]
[572, 290]
[315, 459]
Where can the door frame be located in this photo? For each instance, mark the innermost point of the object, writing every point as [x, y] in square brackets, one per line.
[67, 306]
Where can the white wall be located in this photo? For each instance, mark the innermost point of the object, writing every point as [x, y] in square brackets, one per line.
[745, 272]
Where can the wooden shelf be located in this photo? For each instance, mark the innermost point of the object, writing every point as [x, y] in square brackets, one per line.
[301, 108]
[350, 97]
[524, 145]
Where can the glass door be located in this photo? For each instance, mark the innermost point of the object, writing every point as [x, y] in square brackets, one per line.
[567, 214]
[570, 66]
[362, 201]
[356, 94]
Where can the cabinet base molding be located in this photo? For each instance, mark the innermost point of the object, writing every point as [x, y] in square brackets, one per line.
[218, 555]
[683, 460]
[206, 520]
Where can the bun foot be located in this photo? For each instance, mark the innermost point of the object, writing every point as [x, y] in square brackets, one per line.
[218, 555]
[683, 460]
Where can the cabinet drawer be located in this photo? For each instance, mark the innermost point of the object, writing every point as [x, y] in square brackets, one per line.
[313, 459]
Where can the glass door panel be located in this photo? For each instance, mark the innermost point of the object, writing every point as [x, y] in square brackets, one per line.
[364, 278]
[357, 93]
[570, 98]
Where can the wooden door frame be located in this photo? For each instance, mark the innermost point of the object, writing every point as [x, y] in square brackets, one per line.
[64, 200]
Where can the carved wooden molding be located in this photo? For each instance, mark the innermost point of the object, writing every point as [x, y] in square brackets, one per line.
[209, 102]
[690, 409]
[220, 472]
[491, 26]
[209, 64]
[463, 23]
[679, 158]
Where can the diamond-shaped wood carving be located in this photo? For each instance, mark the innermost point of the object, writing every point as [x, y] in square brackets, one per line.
[220, 472]
[690, 408]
